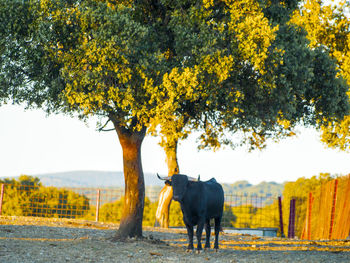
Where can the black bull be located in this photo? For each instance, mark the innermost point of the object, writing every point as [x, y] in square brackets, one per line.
[200, 202]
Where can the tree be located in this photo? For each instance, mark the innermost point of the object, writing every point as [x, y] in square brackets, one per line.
[171, 132]
[8, 30]
[273, 82]
[27, 74]
[212, 66]
[328, 25]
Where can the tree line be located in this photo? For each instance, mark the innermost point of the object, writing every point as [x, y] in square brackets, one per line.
[251, 68]
[28, 197]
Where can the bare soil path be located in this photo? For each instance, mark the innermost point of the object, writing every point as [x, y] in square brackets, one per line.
[25, 239]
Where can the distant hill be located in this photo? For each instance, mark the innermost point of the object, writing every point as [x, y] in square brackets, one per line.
[91, 179]
[262, 188]
[116, 179]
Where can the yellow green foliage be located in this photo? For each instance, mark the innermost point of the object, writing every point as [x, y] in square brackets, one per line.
[249, 216]
[28, 197]
[111, 212]
[328, 25]
[220, 67]
[185, 92]
[112, 62]
[175, 215]
[149, 213]
[174, 67]
[252, 29]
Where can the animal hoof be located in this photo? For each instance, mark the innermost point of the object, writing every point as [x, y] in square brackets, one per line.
[188, 250]
[198, 251]
[216, 250]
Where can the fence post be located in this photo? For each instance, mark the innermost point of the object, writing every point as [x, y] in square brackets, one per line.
[309, 216]
[281, 215]
[97, 204]
[291, 227]
[333, 208]
[293, 218]
[1, 197]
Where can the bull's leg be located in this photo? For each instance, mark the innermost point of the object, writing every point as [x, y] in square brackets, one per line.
[207, 232]
[190, 237]
[199, 231]
[217, 230]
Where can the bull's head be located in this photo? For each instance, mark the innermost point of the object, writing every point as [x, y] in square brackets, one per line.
[179, 184]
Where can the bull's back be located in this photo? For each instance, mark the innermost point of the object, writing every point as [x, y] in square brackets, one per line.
[215, 198]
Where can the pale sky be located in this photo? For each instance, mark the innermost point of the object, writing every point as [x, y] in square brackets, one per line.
[31, 143]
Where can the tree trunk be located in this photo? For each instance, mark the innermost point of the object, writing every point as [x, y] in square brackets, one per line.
[171, 158]
[131, 221]
[162, 214]
[166, 195]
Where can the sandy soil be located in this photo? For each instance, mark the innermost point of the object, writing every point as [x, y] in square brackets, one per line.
[25, 239]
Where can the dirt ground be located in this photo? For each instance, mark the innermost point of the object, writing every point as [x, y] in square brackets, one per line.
[25, 239]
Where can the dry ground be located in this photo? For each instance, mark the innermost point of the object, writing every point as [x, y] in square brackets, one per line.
[25, 239]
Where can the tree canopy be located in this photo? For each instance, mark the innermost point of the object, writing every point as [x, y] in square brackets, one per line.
[270, 82]
[328, 25]
[240, 65]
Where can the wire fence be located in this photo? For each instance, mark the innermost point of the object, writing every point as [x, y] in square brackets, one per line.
[250, 211]
[105, 205]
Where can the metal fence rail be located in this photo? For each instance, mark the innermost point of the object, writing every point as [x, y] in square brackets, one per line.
[105, 204]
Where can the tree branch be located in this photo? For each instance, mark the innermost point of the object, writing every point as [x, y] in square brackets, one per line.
[102, 128]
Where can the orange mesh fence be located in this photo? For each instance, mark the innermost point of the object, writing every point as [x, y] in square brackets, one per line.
[105, 205]
[341, 225]
[328, 211]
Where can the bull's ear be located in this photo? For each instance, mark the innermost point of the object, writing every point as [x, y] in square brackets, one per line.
[199, 178]
[168, 182]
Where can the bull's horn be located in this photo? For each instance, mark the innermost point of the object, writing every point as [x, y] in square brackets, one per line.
[192, 179]
[163, 178]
